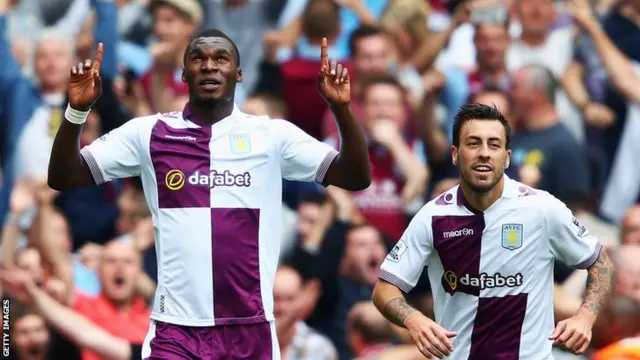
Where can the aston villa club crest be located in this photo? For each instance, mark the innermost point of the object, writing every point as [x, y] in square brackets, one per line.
[512, 236]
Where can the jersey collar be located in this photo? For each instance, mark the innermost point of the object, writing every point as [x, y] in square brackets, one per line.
[511, 189]
[188, 115]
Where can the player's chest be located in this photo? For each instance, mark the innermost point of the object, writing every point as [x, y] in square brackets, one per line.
[507, 241]
[188, 162]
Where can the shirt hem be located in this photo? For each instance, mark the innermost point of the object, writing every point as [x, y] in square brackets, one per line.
[324, 165]
[591, 260]
[393, 279]
[93, 166]
[209, 322]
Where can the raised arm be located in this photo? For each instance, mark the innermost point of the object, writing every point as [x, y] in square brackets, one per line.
[350, 170]
[67, 168]
[621, 72]
[79, 329]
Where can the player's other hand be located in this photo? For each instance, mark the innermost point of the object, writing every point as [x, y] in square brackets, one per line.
[333, 79]
[85, 85]
[574, 334]
[432, 339]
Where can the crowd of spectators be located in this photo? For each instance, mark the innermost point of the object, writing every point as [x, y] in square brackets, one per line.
[79, 267]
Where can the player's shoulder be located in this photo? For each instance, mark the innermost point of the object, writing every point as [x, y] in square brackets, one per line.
[445, 204]
[526, 194]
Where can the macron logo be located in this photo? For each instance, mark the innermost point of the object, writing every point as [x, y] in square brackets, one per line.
[456, 233]
[173, 137]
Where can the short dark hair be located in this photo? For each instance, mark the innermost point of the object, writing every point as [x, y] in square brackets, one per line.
[379, 79]
[321, 18]
[470, 112]
[313, 197]
[212, 33]
[363, 31]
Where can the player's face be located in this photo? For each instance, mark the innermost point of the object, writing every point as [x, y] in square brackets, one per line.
[372, 56]
[211, 71]
[384, 101]
[482, 155]
[119, 270]
[52, 63]
[31, 337]
[364, 254]
[491, 42]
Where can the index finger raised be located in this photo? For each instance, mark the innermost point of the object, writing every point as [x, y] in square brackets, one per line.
[98, 61]
[324, 56]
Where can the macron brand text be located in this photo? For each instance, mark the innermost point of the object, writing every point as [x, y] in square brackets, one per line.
[455, 233]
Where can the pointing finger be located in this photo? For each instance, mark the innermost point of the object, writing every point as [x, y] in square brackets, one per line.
[99, 54]
[324, 56]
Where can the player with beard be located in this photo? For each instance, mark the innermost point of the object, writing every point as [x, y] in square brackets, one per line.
[489, 245]
[212, 177]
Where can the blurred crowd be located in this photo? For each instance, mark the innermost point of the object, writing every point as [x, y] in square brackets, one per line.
[80, 266]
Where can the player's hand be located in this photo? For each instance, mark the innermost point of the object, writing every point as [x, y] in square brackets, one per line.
[574, 334]
[85, 85]
[432, 339]
[333, 79]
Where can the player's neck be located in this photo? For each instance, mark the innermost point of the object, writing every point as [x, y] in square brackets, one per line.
[482, 201]
[211, 115]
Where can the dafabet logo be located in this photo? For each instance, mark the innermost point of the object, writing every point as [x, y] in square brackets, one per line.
[174, 180]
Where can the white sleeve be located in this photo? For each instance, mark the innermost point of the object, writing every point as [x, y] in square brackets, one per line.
[115, 154]
[303, 158]
[570, 240]
[404, 264]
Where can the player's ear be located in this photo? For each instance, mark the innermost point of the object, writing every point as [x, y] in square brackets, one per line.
[184, 80]
[507, 161]
[239, 75]
[454, 155]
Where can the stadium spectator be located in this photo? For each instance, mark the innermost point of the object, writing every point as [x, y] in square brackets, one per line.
[631, 226]
[349, 284]
[545, 155]
[371, 336]
[175, 23]
[118, 309]
[399, 172]
[371, 50]
[491, 42]
[297, 340]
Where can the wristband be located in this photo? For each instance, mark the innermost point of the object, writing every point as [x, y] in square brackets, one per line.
[76, 116]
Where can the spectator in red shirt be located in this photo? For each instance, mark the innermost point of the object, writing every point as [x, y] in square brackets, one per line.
[371, 50]
[399, 174]
[118, 309]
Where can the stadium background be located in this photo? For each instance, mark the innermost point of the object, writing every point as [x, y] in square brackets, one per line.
[413, 63]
